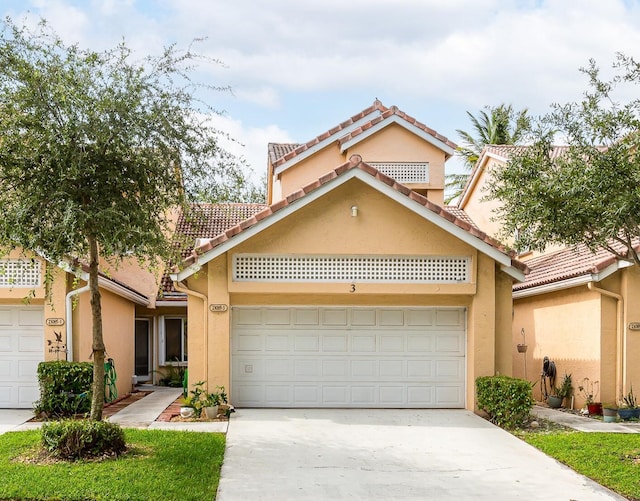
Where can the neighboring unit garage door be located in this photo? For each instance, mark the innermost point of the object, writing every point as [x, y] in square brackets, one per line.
[21, 349]
[348, 357]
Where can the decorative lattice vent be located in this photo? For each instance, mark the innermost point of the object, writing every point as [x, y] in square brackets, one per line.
[280, 268]
[404, 172]
[20, 273]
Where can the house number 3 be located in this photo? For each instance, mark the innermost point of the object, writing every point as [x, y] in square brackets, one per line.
[353, 288]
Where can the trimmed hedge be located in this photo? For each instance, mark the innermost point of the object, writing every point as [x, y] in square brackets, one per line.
[65, 388]
[507, 400]
[81, 439]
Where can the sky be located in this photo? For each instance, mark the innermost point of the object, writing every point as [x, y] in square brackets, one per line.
[296, 68]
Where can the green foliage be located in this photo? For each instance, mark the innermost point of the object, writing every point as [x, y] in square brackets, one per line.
[199, 397]
[98, 150]
[493, 125]
[172, 375]
[610, 459]
[507, 400]
[81, 439]
[589, 193]
[566, 387]
[158, 466]
[629, 401]
[65, 388]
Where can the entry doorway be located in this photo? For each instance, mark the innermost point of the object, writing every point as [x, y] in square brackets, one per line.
[143, 349]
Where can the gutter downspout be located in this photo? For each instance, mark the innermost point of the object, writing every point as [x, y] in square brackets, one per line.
[69, 313]
[621, 338]
[183, 288]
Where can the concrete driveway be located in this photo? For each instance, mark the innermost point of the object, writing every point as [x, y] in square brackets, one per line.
[318, 454]
[10, 419]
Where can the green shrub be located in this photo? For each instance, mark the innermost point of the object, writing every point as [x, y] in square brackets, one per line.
[65, 388]
[80, 439]
[507, 400]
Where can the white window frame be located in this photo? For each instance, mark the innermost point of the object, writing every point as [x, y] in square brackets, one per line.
[163, 340]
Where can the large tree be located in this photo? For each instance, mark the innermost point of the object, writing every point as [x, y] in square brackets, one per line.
[589, 191]
[96, 149]
[493, 125]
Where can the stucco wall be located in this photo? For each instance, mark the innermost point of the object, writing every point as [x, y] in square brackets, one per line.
[565, 326]
[327, 227]
[118, 323]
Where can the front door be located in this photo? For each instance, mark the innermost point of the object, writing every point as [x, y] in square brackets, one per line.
[143, 351]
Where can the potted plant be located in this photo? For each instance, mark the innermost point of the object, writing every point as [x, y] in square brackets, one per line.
[629, 406]
[609, 413]
[186, 409]
[560, 393]
[212, 401]
[589, 390]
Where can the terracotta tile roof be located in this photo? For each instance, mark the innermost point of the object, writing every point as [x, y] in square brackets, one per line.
[507, 150]
[207, 221]
[279, 154]
[460, 214]
[278, 150]
[355, 162]
[565, 264]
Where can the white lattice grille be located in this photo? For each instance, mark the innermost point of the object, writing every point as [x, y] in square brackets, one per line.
[20, 273]
[404, 172]
[280, 268]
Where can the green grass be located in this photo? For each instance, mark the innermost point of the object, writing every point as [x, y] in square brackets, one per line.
[161, 465]
[611, 459]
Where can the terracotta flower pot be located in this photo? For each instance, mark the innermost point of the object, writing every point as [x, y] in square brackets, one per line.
[595, 409]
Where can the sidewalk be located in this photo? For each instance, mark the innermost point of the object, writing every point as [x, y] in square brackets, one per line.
[142, 414]
[583, 423]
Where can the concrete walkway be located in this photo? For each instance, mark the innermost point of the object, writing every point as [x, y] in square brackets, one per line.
[380, 454]
[583, 423]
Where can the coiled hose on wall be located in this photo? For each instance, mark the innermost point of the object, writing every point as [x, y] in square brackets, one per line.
[110, 377]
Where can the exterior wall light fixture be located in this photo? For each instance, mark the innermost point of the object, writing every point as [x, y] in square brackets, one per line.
[354, 211]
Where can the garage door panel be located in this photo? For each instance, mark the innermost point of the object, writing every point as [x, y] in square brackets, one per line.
[277, 342]
[22, 348]
[6, 343]
[249, 342]
[6, 316]
[335, 343]
[335, 368]
[350, 357]
[363, 343]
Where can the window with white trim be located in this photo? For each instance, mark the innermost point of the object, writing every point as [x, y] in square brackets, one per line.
[373, 269]
[173, 340]
[20, 273]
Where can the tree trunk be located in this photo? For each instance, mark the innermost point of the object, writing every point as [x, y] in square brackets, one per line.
[97, 400]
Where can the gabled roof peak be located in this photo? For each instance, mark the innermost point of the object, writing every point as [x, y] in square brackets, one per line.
[282, 155]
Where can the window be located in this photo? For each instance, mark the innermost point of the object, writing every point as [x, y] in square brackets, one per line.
[173, 340]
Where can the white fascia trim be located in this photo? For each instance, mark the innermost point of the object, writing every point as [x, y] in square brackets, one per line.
[169, 304]
[403, 200]
[572, 282]
[122, 291]
[325, 142]
[514, 273]
[395, 119]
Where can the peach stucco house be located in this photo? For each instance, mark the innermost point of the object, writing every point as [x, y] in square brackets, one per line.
[578, 308]
[351, 287]
[354, 286]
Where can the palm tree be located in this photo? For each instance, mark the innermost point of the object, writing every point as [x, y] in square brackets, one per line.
[497, 125]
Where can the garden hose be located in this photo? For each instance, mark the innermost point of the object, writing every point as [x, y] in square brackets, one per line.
[110, 390]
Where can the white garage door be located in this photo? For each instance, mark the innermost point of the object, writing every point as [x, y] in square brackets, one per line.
[21, 349]
[348, 357]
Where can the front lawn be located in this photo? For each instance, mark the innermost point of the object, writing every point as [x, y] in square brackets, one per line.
[160, 465]
[611, 459]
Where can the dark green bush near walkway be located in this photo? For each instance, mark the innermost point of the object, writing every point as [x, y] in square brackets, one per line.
[83, 438]
[508, 401]
[65, 388]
